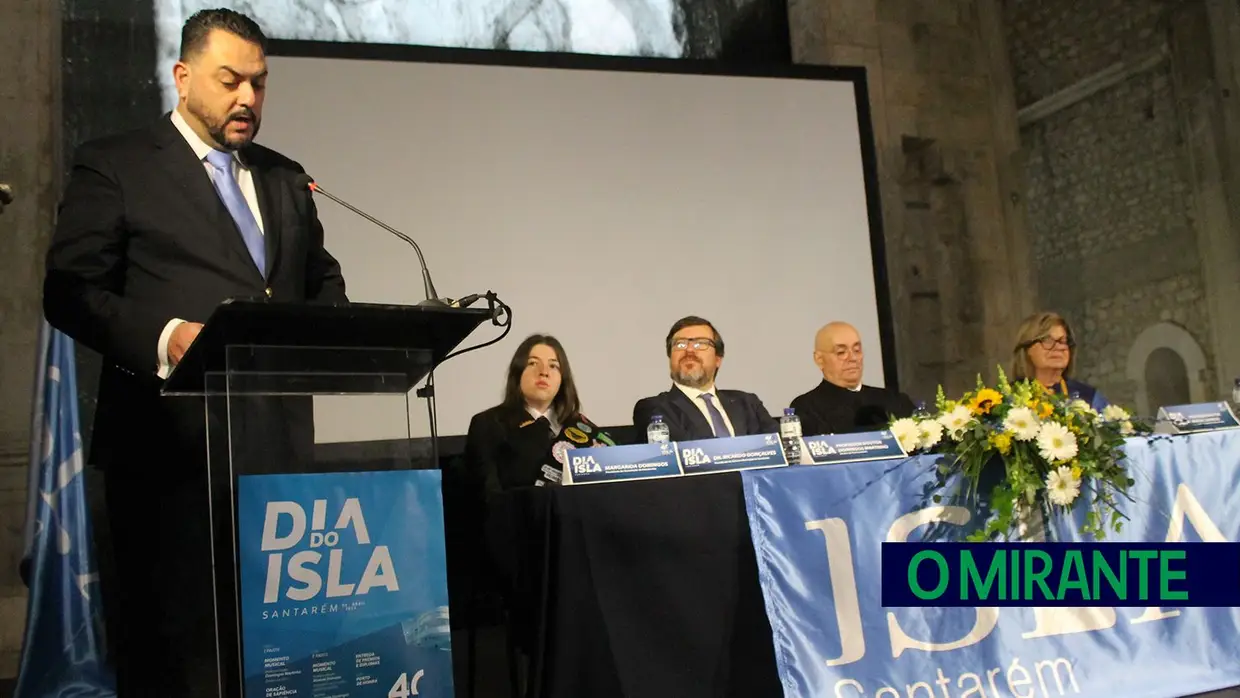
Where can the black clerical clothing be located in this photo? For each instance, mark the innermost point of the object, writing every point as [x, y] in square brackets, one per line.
[831, 409]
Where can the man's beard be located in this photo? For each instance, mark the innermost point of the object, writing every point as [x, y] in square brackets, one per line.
[217, 128]
[692, 379]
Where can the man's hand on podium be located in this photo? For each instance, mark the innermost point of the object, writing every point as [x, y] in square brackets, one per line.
[184, 335]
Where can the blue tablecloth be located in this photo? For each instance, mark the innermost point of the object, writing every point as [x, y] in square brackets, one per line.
[818, 535]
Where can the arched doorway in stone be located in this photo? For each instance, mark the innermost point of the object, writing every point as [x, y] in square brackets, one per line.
[1168, 366]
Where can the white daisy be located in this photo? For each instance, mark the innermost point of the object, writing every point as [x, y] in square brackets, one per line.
[1056, 443]
[906, 431]
[931, 433]
[1022, 423]
[1062, 486]
[956, 421]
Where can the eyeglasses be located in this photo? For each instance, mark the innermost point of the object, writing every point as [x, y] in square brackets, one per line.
[698, 344]
[1049, 343]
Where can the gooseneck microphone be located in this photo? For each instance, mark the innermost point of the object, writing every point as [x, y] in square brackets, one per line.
[307, 182]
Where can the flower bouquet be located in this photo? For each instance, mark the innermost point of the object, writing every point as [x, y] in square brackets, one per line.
[1050, 448]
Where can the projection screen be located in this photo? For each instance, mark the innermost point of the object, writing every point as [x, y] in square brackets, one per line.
[601, 205]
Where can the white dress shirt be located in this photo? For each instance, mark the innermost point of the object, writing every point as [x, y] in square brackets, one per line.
[245, 181]
[696, 396]
[549, 414]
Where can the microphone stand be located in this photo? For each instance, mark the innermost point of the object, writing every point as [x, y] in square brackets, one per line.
[432, 298]
[427, 391]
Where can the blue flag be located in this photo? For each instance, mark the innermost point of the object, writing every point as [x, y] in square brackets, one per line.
[61, 654]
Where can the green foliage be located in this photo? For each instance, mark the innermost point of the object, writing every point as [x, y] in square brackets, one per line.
[1053, 450]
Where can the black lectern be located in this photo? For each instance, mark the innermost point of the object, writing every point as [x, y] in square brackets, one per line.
[259, 365]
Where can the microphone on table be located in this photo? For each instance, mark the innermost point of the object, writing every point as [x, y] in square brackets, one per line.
[305, 181]
[578, 432]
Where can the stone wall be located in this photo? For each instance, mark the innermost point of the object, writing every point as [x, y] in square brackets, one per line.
[1116, 319]
[1113, 200]
[1108, 173]
[29, 144]
[1055, 43]
[50, 100]
[940, 89]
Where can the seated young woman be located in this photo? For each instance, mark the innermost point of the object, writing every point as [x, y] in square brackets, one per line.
[509, 445]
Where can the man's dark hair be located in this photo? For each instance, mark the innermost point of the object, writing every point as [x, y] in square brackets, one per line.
[199, 26]
[690, 321]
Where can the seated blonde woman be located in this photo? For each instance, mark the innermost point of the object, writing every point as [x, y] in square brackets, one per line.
[1046, 352]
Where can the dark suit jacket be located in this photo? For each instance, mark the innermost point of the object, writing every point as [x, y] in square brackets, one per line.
[143, 237]
[506, 448]
[687, 423]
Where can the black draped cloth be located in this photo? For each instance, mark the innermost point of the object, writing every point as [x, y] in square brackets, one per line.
[644, 589]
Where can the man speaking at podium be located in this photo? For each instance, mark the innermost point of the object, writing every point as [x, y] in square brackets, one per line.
[156, 228]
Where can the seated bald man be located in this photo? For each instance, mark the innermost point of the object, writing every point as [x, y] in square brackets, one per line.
[841, 404]
[694, 409]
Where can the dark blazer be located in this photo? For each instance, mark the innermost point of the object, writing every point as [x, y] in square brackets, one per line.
[687, 423]
[143, 237]
[506, 448]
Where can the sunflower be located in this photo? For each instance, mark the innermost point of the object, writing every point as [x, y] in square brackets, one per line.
[1041, 409]
[984, 400]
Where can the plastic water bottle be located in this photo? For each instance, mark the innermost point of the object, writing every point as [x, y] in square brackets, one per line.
[658, 432]
[922, 412]
[1235, 394]
[790, 434]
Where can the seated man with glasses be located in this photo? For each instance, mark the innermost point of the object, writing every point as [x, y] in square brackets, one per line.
[693, 408]
[840, 404]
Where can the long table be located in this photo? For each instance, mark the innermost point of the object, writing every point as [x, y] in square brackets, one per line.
[651, 588]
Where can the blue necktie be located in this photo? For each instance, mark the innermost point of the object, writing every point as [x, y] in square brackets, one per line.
[234, 200]
[716, 417]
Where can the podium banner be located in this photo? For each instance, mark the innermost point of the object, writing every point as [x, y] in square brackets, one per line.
[818, 534]
[344, 585]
